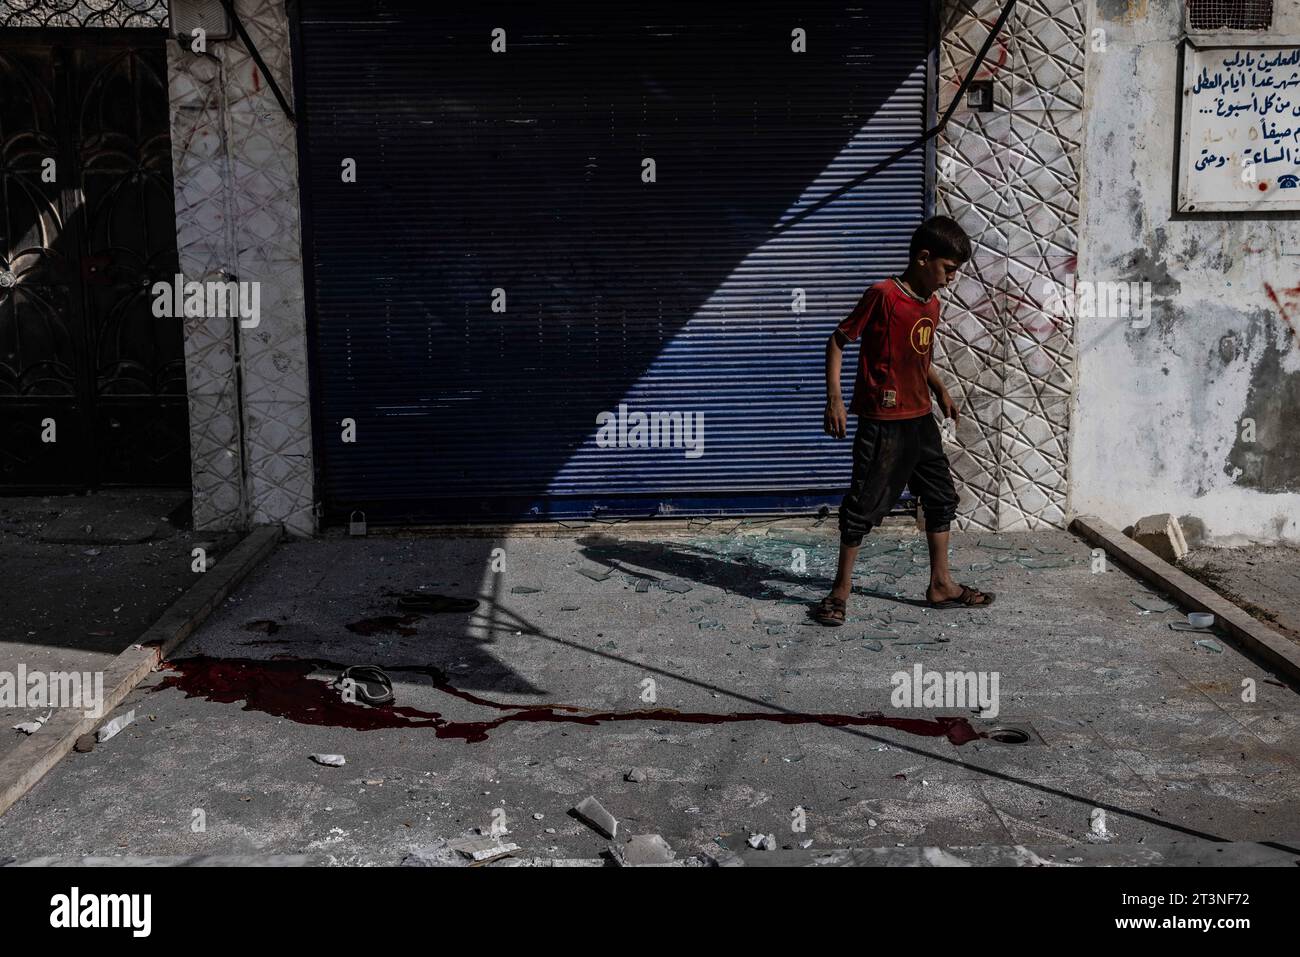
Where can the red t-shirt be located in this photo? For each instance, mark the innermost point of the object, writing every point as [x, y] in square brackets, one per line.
[897, 333]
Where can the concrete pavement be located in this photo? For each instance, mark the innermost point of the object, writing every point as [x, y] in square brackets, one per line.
[687, 656]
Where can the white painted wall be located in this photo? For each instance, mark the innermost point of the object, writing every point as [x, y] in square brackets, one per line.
[1158, 411]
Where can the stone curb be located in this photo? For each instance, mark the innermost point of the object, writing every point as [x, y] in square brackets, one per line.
[1273, 649]
[28, 763]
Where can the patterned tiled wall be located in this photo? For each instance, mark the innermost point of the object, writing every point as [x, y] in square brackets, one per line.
[1010, 177]
[235, 167]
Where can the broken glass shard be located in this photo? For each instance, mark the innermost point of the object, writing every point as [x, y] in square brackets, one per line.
[1152, 604]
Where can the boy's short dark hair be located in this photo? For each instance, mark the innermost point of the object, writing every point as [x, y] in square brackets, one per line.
[943, 238]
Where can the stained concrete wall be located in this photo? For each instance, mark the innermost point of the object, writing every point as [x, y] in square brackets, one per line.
[1157, 424]
[235, 166]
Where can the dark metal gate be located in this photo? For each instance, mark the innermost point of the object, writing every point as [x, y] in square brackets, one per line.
[500, 278]
[88, 226]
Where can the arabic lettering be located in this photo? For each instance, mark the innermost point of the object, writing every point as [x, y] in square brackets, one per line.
[1260, 91]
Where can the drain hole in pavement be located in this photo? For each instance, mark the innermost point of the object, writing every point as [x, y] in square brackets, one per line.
[1009, 736]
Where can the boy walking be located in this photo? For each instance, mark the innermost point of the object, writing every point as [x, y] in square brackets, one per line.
[897, 441]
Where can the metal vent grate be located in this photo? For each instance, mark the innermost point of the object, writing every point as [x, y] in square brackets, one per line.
[1230, 14]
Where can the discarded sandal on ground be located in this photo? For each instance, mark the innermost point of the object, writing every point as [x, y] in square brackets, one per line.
[417, 601]
[969, 598]
[368, 684]
[829, 611]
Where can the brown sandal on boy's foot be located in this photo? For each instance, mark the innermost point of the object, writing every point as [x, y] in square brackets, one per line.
[829, 611]
[969, 598]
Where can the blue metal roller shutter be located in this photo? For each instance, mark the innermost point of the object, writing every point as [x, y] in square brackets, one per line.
[522, 171]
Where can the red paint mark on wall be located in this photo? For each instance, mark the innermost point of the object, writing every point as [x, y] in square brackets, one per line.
[257, 80]
[993, 63]
[1291, 294]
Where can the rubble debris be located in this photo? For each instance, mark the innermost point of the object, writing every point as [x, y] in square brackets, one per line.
[538, 815]
[524, 590]
[636, 776]
[644, 850]
[718, 856]
[1184, 626]
[1162, 535]
[85, 744]
[794, 537]
[1097, 826]
[1037, 563]
[481, 850]
[1209, 644]
[31, 727]
[593, 813]
[110, 728]
[675, 586]
[265, 626]
[596, 575]
[642, 586]
[437, 854]
[330, 760]
[872, 645]
[764, 842]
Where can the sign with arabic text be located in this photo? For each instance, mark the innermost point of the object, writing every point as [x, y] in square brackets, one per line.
[1241, 129]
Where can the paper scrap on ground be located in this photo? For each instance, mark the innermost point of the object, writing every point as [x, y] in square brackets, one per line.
[111, 728]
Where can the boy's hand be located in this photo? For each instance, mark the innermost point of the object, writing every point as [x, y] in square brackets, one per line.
[949, 406]
[835, 422]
